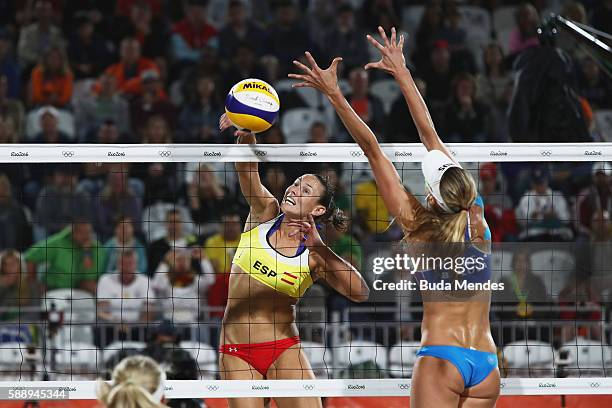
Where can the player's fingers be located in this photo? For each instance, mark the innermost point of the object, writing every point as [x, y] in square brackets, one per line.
[393, 36]
[335, 62]
[302, 66]
[371, 65]
[382, 33]
[304, 85]
[401, 42]
[298, 76]
[375, 42]
[312, 61]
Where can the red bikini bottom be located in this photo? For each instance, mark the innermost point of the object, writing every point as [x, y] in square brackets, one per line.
[260, 355]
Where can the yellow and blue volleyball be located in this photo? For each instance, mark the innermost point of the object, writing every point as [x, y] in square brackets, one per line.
[252, 104]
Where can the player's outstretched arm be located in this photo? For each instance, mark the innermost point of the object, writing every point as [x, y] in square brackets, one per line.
[329, 266]
[396, 198]
[393, 62]
[263, 205]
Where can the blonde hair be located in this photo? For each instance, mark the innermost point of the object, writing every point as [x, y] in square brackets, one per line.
[134, 380]
[458, 190]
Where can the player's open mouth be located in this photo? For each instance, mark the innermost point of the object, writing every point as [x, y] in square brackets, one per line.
[290, 200]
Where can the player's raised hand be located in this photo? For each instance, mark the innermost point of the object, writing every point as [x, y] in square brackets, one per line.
[325, 80]
[392, 58]
[242, 136]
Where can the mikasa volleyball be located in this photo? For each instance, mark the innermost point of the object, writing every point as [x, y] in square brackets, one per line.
[252, 104]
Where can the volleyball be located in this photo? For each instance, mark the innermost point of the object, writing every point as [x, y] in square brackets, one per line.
[252, 104]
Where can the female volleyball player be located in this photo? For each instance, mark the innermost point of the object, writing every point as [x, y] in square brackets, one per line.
[458, 363]
[279, 256]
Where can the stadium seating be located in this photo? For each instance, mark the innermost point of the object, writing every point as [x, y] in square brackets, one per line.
[78, 358]
[402, 358]
[603, 120]
[154, 220]
[78, 306]
[525, 356]
[296, 124]
[205, 356]
[501, 265]
[350, 355]
[319, 357]
[554, 267]
[586, 358]
[65, 123]
[387, 91]
[112, 349]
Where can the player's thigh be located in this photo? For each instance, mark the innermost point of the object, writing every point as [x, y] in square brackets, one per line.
[294, 365]
[436, 383]
[483, 395]
[235, 368]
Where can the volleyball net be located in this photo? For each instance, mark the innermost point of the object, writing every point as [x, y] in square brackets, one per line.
[115, 250]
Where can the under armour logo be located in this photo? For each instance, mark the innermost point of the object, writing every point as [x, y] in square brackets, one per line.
[233, 349]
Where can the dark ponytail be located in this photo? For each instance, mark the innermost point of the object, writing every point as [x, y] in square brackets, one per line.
[333, 216]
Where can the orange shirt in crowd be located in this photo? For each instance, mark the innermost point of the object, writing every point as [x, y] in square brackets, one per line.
[56, 90]
[131, 85]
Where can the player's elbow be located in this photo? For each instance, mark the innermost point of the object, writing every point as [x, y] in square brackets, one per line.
[361, 295]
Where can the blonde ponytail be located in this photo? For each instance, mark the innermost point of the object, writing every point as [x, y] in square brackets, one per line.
[434, 225]
[135, 383]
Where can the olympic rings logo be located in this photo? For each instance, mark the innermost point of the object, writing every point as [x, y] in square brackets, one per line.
[595, 385]
[403, 386]
[68, 153]
[213, 388]
[309, 387]
[356, 153]
[502, 384]
[546, 153]
[260, 153]
[164, 153]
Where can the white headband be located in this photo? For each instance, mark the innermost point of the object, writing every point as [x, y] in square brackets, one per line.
[434, 166]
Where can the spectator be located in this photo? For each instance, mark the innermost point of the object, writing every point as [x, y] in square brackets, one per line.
[598, 196]
[36, 38]
[438, 74]
[107, 133]
[174, 238]
[179, 287]
[342, 199]
[59, 203]
[199, 118]
[318, 133]
[371, 214]
[117, 199]
[52, 80]
[14, 219]
[129, 70]
[150, 30]
[123, 239]
[156, 131]
[9, 67]
[321, 16]
[600, 250]
[428, 31]
[274, 135]
[287, 38]
[347, 40]
[372, 11]
[275, 180]
[107, 104]
[88, 51]
[123, 298]
[15, 290]
[207, 198]
[466, 119]
[124, 7]
[73, 258]
[153, 101]
[11, 109]
[239, 30]
[400, 130]
[244, 65]
[523, 292]
[367, 106]
[220, 249]
[596, 88]
[524, 35]
[193, 33]
[456, 36]
[497, 205]
[8, 133]
[542, 213]
[493, 82]
[581, 309]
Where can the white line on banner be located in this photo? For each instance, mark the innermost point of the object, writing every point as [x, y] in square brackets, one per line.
[337, 152]
[328, 388]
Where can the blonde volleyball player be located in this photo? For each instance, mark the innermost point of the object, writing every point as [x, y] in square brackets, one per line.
[279, 256]
[457, 363]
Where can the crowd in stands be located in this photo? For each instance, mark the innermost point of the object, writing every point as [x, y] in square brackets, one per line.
[152, 71]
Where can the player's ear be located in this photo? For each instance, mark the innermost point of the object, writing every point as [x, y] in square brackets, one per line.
[318, 211]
